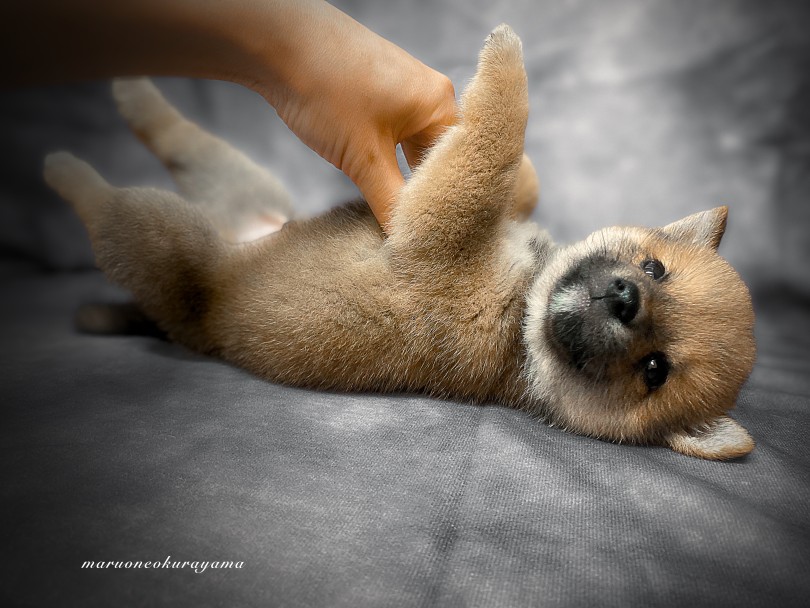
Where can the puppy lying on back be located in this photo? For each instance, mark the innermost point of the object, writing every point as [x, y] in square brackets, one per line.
[633, 335]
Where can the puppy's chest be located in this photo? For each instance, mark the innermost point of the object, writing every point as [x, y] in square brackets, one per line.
[465, 334]
[465, 345]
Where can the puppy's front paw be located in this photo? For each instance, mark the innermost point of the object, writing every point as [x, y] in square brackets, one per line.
[503, 44]
[527, 190]
[496, 103]
[500, 63]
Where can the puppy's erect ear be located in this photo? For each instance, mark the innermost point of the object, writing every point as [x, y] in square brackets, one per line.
[720, 439]
[705, 228]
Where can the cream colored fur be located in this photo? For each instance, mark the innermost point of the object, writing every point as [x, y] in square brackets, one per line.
[455, 302]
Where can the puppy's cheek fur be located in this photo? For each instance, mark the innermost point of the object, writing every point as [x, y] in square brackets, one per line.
[709, 339]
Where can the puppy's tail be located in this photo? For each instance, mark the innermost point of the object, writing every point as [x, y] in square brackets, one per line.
[149, 241]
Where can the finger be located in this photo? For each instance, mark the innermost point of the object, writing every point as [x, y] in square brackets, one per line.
[380, 185]
[416, 147]
[444, 116]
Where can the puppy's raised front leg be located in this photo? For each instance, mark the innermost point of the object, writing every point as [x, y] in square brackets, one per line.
[455, 203]
[240, 198]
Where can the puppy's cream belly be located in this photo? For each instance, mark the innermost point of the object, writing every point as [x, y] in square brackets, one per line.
[259, 228]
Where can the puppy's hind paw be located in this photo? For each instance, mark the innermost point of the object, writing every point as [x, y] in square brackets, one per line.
[76, 182]
[115, 319]
[143, 107]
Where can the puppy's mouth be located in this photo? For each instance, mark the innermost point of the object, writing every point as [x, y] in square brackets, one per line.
[593, 314]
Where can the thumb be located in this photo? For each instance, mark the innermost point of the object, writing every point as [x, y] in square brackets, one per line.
[416, 147]
[380, 184]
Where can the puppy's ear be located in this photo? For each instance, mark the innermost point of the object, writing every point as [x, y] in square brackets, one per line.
[705, 228]
[720, 439]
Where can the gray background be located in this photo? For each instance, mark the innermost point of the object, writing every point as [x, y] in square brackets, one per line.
[641, 112]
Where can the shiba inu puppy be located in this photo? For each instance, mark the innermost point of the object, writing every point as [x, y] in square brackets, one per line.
[633, 335]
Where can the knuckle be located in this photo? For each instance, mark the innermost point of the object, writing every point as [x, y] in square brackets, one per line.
[448, 91]
[445, 109]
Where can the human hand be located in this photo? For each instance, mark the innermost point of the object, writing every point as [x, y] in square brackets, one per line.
[352, 96]
[346, 92]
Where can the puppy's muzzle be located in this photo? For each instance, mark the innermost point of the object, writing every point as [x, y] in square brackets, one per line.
[595, 312]
[622, 299]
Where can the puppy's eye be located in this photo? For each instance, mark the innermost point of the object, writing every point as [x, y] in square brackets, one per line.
[653, 268]
[655, 368]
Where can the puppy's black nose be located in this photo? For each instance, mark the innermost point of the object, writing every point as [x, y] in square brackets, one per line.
[622, 299]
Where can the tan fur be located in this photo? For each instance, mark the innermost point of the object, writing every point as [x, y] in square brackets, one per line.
[527, 190]
[456, 302]
[702, 318]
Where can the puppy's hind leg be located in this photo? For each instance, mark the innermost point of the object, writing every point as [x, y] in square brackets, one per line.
[150, 241]
[78, 183]
[241, 199]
